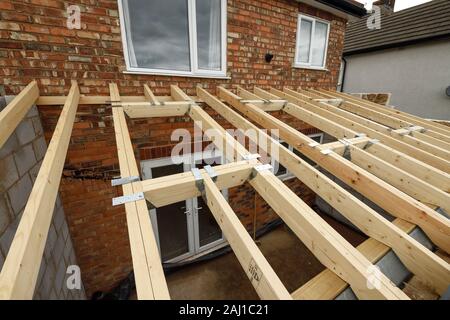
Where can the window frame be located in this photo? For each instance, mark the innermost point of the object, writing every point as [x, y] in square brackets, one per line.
[289, 175]
[192, 22]
[313, 20]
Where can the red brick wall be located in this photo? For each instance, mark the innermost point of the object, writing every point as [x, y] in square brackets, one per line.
[35, 44]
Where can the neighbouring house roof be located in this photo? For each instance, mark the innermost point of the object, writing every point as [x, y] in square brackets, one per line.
[428, 21]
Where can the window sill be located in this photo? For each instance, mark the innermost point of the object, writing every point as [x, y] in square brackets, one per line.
[310, 68]
[206, 76]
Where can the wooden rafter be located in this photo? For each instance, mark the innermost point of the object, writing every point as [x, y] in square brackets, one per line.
[20, 271]
[323, 241]
[386, 196]
[435, 129]
[366, 126]
[327, 286]
[371, 170]
[178, 187]
[14, 112]
[150, 281]
[387, 123]
[262, 276]
[369, 221]
[150, 96]
[390, 173]
[178, 94]
[403, 161]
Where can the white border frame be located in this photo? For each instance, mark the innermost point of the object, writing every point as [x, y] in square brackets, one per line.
[195, 72]
[308, 65]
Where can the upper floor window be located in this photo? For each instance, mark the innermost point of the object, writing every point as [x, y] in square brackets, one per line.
[312, 42]
[174, 37]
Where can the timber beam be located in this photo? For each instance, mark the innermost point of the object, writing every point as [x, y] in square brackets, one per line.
[386, 196]
[174, 188]
[375, 131]
[323, 241]
[408, 163]
[352, 208]
[258, 270]
[20, 270]
[434, 129]
[16, 110]
[150, 280]
[402, 180]
[403, 161]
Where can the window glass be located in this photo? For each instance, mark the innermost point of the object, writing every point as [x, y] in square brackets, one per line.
[304, 44]
[157, 34]
[208, 34]
[319, 44]
[175, 37]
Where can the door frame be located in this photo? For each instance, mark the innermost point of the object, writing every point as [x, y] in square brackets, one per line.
[189, 161]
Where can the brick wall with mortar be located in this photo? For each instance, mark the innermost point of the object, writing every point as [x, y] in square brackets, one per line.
[20, 160]
[35, 44]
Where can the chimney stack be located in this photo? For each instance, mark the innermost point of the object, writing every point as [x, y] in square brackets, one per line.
[387, 6]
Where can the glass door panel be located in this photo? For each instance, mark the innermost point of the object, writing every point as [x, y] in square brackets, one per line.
[173, 232]
[208, 229]
[173, 220]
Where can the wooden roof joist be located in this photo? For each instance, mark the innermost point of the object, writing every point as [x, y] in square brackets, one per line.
[262, 276]
[323, 241]
[434, 129]
[359, 154]
[14, 112]
[183, 186]
[395, 173]
[380, 192]
[149, 275]
[395, 157]
[369, 221]
[20, 271]
[373, 130]
[387, 124]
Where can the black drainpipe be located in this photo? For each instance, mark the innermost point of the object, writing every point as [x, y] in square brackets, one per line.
[343, 74]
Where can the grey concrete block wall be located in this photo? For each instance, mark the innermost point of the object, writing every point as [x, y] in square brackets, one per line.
[20, 160]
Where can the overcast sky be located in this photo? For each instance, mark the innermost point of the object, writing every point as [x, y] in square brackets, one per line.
[400, 4]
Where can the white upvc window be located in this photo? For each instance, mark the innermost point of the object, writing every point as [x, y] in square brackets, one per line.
[312, 42]
[174, 37]
[283, 173]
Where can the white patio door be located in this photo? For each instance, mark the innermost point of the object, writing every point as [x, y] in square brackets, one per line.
[185, 228]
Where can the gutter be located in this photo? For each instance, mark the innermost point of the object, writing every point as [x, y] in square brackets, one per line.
[349, 7]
